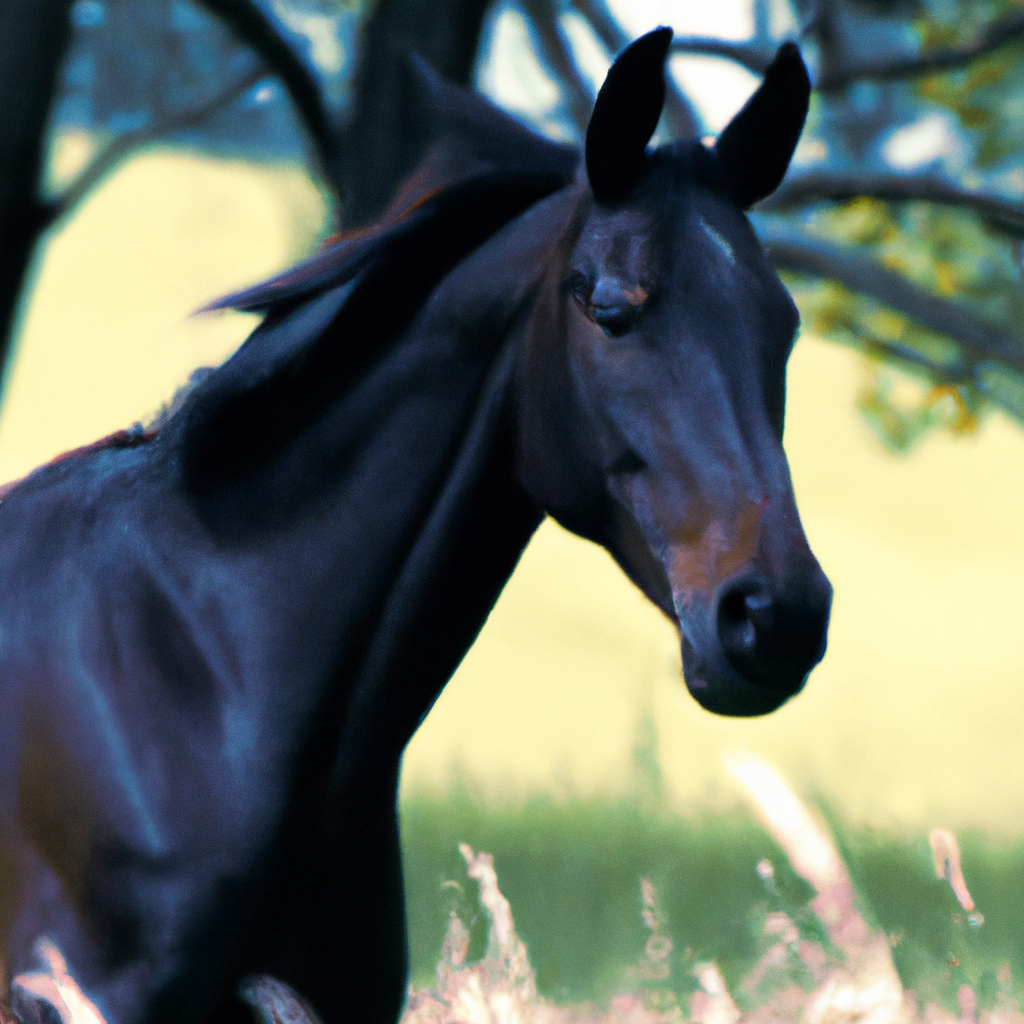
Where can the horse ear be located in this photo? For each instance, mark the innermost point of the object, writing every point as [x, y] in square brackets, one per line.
[625, 115]
[756, 146]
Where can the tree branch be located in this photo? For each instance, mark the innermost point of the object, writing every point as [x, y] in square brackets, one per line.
[682, 119]
[557, 54]
[803, 255]
[124, 144]
[959, 372]
[1000, 32]
[762, 21]
[386, 135]
[756, 58]
[253, 26]
[803, 188]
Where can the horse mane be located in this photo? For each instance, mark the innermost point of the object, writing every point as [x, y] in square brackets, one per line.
[474, 147]
[329, 318]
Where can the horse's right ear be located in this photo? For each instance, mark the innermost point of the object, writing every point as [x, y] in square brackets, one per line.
[756, 146]
[625, 115]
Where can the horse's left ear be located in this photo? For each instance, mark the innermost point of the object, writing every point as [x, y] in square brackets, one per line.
[756, 146]
[625, 115]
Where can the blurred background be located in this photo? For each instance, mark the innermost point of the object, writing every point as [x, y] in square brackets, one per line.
[158, 153]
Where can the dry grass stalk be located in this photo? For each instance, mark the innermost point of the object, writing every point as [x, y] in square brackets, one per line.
[852, 976]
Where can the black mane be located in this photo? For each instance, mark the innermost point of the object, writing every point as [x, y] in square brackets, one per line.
[483, 171]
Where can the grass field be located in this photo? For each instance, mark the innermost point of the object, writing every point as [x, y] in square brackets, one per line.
[618, 899]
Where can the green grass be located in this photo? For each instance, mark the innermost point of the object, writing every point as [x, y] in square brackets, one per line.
[571, 872]
[935, 949]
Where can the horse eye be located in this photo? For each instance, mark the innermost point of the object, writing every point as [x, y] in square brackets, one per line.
[614, 305]
[579, 288]
[608, 304]
[613, 320]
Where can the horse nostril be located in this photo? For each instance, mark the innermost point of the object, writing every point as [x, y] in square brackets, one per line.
[759, 608]
[738, 614]
[773, 639]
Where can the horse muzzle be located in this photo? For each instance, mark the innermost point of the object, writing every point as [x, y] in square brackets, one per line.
[751, 646]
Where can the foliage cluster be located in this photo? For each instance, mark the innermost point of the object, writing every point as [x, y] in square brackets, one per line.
[948, 122]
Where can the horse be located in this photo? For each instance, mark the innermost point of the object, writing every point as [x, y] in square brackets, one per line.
[218, 636]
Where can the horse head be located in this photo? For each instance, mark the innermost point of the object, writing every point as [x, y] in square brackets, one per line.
[652, 383]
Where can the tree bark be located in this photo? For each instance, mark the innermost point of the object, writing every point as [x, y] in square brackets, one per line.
[365, 159]
[35, 35]
[383, 140]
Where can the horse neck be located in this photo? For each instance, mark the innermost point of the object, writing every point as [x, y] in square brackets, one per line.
[379, 539]
[456, 562]
[447, 589]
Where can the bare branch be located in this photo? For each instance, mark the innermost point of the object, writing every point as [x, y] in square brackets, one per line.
[959, 372]
[750, 55]
[255, 27]
[682, 119]
[124, 144]
[756, 57]
[803, 188]
[762, 21]
[803, 255]
[386, 134]
[557, 54]
[998, 33]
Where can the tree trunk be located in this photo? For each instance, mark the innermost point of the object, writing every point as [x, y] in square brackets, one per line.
[35, 35]
[382, 141]
[365, 159]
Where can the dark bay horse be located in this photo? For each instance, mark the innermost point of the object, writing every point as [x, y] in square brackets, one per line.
[217, 638]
